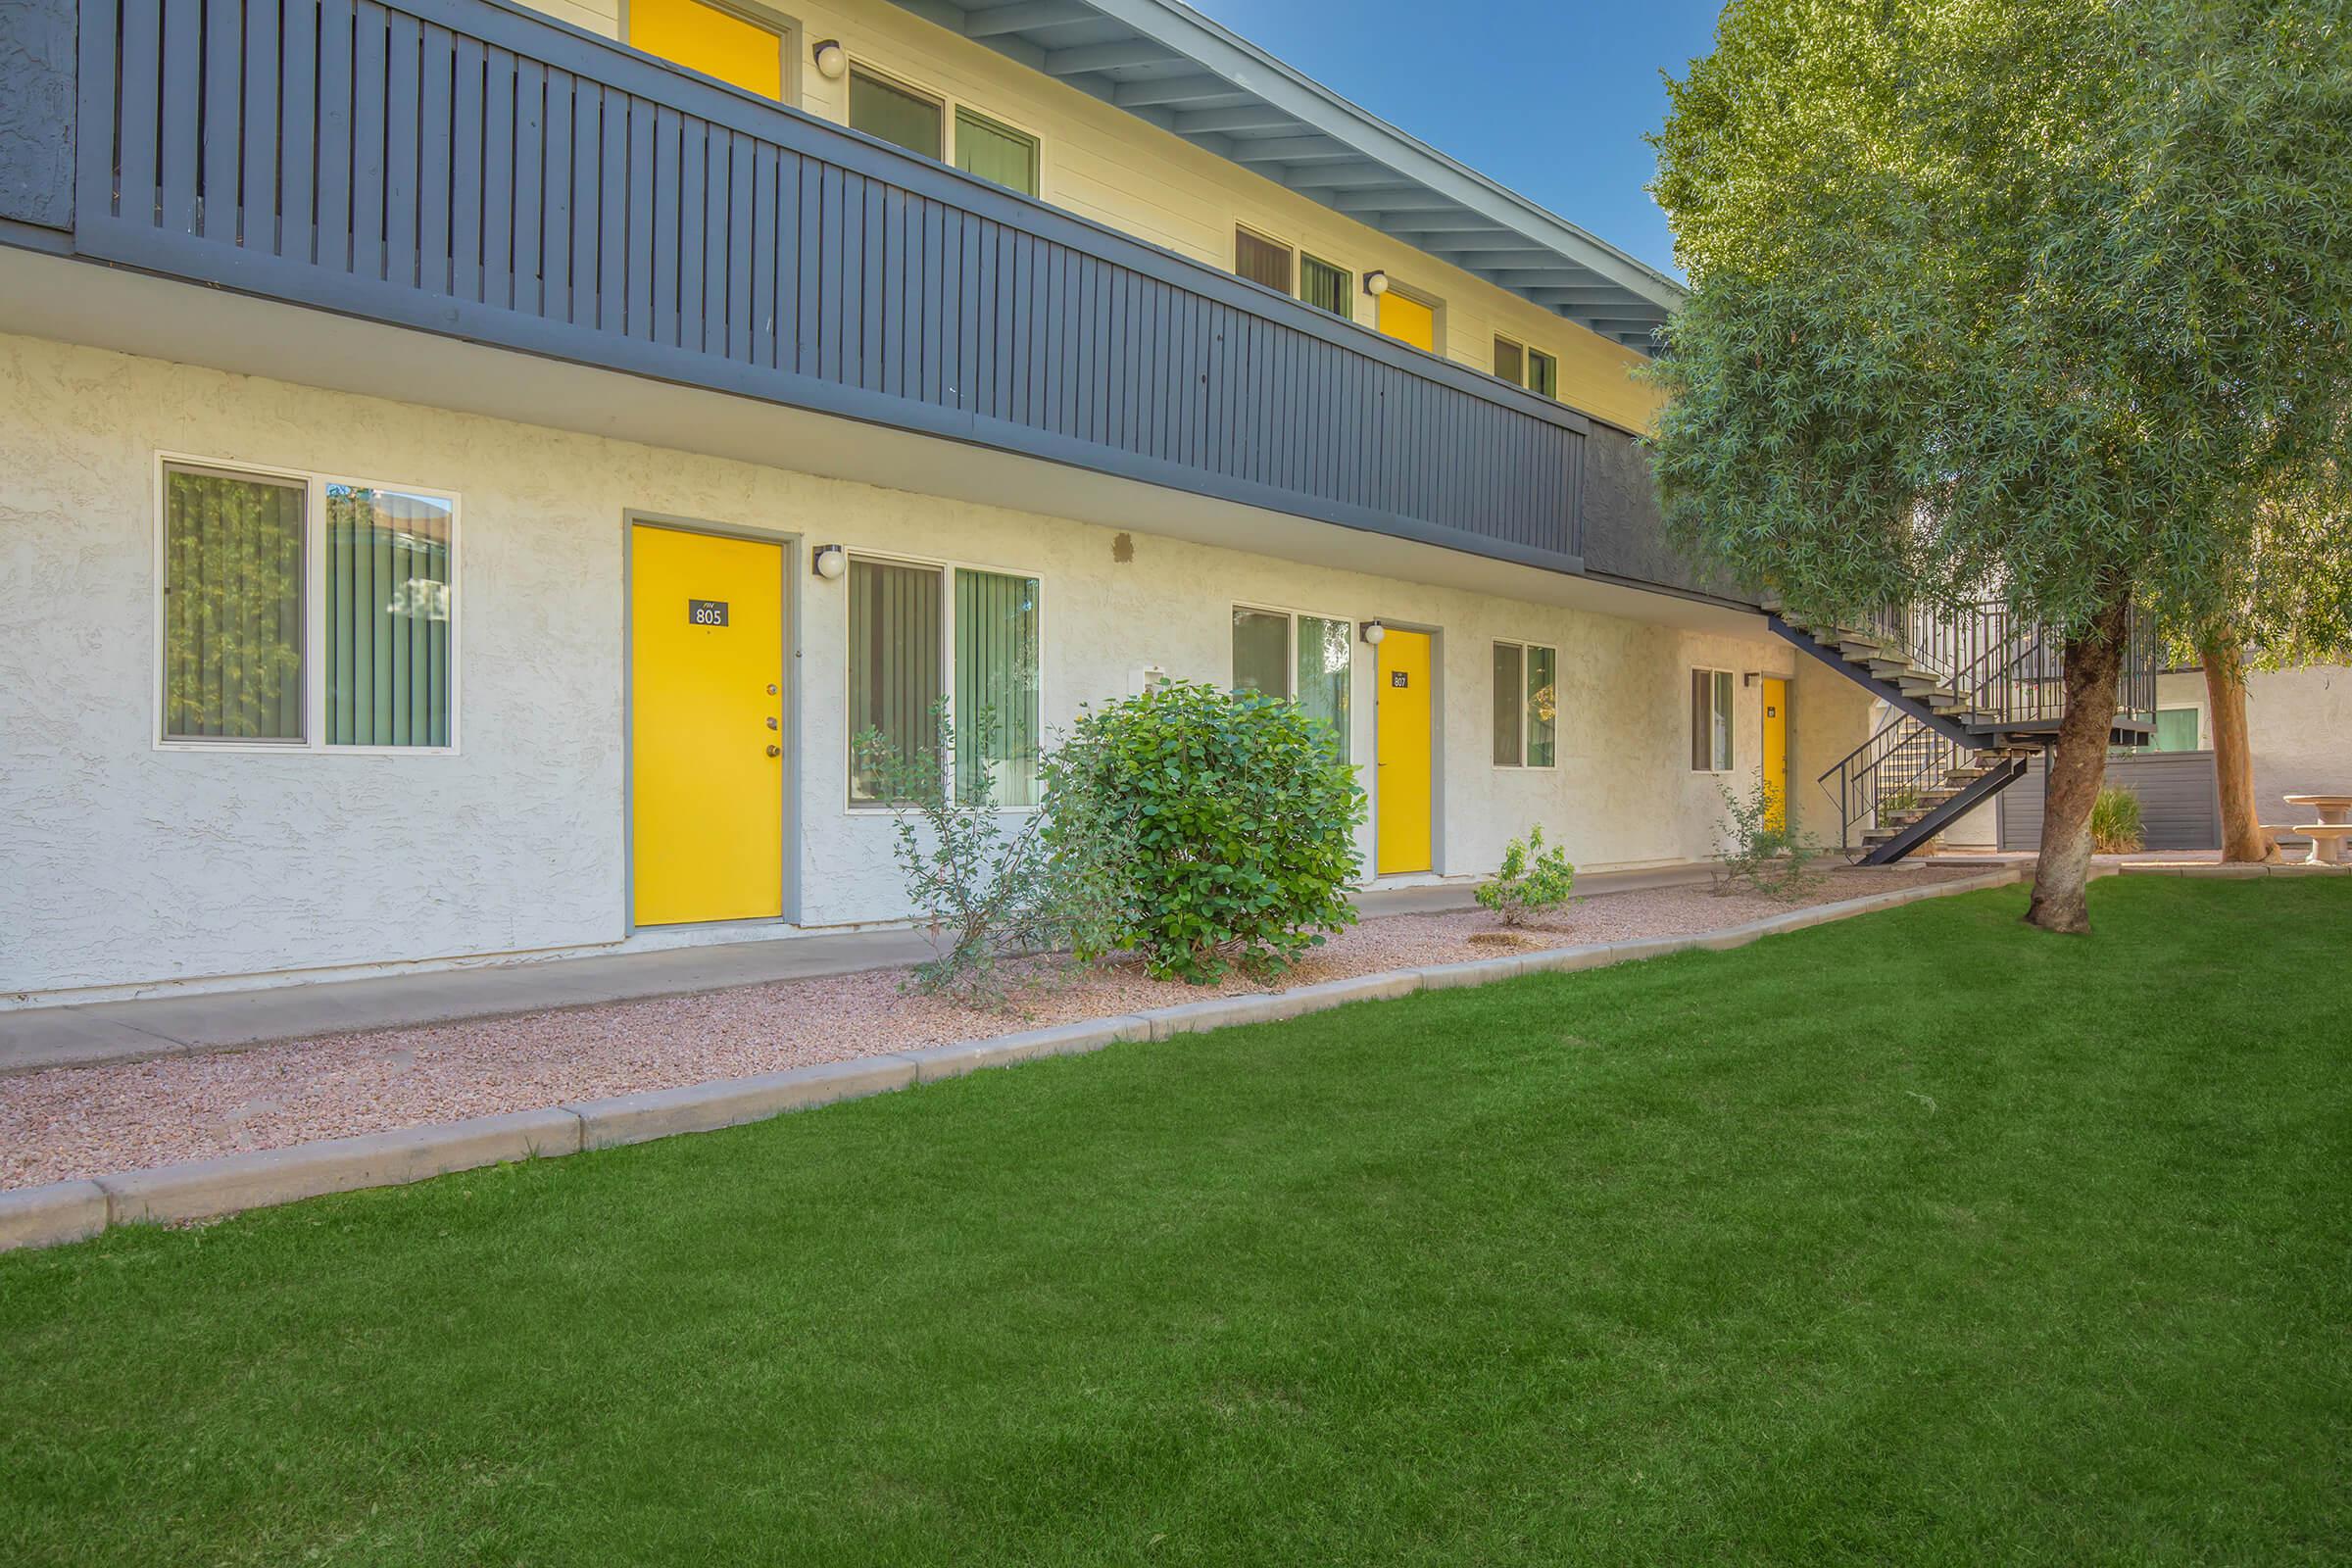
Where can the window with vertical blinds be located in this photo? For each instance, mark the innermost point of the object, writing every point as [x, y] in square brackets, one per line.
[997, 719]
[1542, 374]
[257, 565]
[1325, 663]
[1262, 260]
[387, 618]
[1509, 673]
[1325, 286]
[995, 151]
[1511, 360]
[1308, 659]
[896, 663]
[888, 111]
[1711, 721]
[1542, 706]
[233, 571]
[1261, 652]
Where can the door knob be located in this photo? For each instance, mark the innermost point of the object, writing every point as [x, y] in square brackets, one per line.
[775, 750]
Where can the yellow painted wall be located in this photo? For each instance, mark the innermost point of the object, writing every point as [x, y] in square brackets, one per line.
[1103, 163]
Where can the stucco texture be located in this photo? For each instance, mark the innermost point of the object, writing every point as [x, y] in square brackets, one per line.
[126, 863]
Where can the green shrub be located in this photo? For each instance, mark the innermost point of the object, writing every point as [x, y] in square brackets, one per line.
[2116, 827]
[1532, 879]
[1238, 819]
[987, 892]
[1762, 848]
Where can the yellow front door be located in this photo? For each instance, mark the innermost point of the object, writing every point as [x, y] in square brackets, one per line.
[1402, 725]
[706, 711]
[1408, 320]
[710, 39]
[1776, 749]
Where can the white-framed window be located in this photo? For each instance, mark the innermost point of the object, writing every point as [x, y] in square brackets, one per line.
[1527, 695]
[1711, 721]
[1530, 368]
[922, 633]
[303, 610]
[1326, 285]
[1307, 658]
[920, 120]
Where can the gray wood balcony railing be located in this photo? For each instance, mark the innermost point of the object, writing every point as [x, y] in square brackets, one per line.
[466, 167]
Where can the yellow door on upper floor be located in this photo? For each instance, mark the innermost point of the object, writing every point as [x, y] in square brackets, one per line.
[712, 39]
[705, 713]
[1408, 320]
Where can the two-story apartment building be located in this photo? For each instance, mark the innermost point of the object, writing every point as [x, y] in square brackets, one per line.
[468, 473]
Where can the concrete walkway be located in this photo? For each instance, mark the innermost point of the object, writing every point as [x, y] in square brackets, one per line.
[100, 1032]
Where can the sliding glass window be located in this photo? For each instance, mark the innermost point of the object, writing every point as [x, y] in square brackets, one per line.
[1711, 721]
[1526, 704]
[904, 657]
[1308, 659]
[257, 565]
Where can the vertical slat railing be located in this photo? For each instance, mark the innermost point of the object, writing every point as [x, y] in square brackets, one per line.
[427, 159]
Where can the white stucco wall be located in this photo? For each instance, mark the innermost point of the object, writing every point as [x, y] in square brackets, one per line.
[126, 863]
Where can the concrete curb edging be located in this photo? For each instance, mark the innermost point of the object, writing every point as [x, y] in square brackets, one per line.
[205, 1188]
[2239, 870]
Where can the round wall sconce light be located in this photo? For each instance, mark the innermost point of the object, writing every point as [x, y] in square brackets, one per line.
[1374, 631]
[831, 60]
[1376, 284]
[830, 562]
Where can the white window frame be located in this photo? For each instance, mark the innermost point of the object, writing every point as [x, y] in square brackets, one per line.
[313, 608]
[1730, 715]
[949, 103]
[1289, 658]
[1523, 765]
[948, 567]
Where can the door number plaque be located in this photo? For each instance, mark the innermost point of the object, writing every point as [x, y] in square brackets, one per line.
[1398, 677]
[707, 611]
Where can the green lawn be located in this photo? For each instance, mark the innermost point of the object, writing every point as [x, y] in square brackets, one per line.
[1919, 1238]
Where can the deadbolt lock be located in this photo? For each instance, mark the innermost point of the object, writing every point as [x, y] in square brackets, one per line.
[775, 751]
[771, 723]
[771, 690]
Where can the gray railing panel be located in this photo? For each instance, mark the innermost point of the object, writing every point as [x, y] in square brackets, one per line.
[462, 167]
[2179, 802]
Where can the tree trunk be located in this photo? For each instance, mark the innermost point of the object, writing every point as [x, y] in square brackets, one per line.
[2243, 837]
[2078, 767]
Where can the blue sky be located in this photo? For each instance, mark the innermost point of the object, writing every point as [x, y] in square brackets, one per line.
[1553, 99]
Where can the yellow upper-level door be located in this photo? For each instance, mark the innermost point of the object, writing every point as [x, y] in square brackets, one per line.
[713, 40]
[1408, 320]
[705, 716]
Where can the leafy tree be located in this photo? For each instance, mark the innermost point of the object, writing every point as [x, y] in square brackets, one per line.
[2275, 611]
[2035, 300]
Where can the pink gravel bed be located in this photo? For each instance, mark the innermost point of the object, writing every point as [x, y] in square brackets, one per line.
[69, 1122]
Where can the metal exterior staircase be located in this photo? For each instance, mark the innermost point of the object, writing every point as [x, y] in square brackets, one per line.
[1976, 696]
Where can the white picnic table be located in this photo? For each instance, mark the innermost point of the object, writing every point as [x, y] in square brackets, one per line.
[2328, 833]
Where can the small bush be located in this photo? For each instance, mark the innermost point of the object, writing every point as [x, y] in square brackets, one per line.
[988, 893]
[2116, 827]
[1532, 879]
[1761, 847]
[1240, 824]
